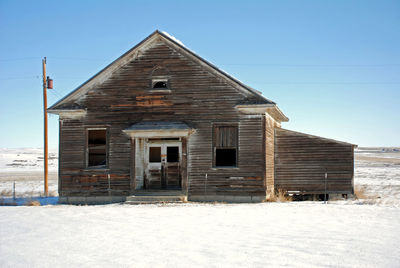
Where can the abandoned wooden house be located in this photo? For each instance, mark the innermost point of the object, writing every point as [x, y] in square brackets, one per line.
[162, 121]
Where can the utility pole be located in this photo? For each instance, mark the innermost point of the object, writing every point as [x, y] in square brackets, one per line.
[46, 150]
[47, 84]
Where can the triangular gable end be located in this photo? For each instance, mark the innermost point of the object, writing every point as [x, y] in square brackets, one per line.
[134, 52]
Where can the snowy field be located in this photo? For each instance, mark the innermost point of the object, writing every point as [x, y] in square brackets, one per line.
[378, 171]
[352, 233]
[25, 168]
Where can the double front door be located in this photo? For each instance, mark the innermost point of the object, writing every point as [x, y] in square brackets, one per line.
[163, 158]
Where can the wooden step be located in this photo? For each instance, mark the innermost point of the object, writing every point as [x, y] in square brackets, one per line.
[153, 199]
[159, 193]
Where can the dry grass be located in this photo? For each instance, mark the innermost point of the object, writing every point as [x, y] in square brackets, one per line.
[32, 203]
[361, 192]
[280, 195]
[6, 192]
[53, 193]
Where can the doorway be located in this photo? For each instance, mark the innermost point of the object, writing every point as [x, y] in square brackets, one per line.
[162, 164]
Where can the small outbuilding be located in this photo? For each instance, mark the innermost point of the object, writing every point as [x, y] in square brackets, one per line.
[160, 120]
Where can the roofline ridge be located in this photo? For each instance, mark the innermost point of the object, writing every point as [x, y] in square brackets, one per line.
[158, 32]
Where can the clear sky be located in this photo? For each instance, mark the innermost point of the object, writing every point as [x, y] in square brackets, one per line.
[333, 67]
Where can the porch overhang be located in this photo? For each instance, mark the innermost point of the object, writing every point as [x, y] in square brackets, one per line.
[159, 129]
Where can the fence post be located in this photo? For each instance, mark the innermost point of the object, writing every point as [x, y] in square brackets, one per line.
[109, 185]
[326, 178]
[205, 185]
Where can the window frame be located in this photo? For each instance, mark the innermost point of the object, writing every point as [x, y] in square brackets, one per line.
[156, 79]
[99, 167]
[215, 147]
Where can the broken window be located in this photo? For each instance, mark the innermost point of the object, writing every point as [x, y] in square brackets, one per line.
[97, 148]
[172, 154]
[155, 155]
[225, 146]
[160, 84]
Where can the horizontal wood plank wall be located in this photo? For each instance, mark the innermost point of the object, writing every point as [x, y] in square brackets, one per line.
[196, 97]
[301, 161]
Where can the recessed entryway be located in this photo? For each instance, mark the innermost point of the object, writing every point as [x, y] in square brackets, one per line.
[162, 164]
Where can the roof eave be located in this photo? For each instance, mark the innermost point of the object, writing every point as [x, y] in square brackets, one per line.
[271, 109]
[102, 71]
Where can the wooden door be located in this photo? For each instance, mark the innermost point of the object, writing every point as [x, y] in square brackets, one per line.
[172, 166]
[163, 165]
[153, 167]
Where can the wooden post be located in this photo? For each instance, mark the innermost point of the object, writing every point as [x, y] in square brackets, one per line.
[46, 152]
[184, 176]
[133, 166]
[326, 178]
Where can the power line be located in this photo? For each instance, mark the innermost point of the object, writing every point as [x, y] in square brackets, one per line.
[83, 59]
[20, 77]
[228, 63]
[314, 65]
[18, 59]
[326, 83]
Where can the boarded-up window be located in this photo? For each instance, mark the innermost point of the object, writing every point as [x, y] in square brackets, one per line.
[225, 146]
[97, 148]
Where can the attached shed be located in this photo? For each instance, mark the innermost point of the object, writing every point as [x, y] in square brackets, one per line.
[308, 164]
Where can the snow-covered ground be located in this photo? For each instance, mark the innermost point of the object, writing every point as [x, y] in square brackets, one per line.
[297, 234]
[294, 234]
[378, 171]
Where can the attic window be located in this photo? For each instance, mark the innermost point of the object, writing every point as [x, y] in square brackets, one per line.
[159, 84]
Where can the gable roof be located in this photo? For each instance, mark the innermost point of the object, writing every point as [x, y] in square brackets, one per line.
[131, 54]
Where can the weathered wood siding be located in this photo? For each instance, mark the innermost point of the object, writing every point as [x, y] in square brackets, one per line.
[269, 154]
[301, 161]
[197, 97]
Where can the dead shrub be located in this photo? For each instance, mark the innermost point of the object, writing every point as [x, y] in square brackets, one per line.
[32, 203]
[6, 192]
[361, 192]
[280, 195]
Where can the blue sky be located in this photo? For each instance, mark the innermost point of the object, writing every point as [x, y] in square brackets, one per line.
[333, 67]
